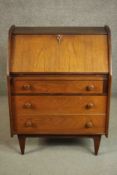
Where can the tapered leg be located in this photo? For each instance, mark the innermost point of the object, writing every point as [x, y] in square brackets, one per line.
[97, 140]
[22, 140]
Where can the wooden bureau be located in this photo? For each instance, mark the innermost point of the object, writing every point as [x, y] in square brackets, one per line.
[59, 82]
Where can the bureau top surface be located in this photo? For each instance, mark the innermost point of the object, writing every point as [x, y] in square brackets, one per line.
[62, 30]
[62, 49]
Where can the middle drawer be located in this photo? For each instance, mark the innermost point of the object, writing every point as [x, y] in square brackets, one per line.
[45, 105]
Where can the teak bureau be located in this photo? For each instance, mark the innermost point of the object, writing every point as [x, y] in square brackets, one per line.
[59, 82]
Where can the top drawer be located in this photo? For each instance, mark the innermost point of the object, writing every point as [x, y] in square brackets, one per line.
[57, 86]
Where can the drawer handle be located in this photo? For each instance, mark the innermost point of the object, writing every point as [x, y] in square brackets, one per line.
[27, 105]
[26, 86]
[89, 105]
[90, 88]
[28, 124]
[89, 125]
[59, 37]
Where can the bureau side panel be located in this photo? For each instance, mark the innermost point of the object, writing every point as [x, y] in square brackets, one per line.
[10, 105]
[109, 77]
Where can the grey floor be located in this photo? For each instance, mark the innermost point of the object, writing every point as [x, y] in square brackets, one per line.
[57, 156]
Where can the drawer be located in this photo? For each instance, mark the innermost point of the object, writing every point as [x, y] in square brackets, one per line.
[58, 86]
[59, 104]
[66, 124]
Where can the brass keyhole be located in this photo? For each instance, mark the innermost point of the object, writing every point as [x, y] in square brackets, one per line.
[59, 37]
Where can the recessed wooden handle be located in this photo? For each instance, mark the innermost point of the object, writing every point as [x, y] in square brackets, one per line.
[89, 125]
[28, 124]
[90, 88]
[89, 105]
[27, 105]
[26, 86]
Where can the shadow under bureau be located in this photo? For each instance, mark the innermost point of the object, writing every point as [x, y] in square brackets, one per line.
[59, 82]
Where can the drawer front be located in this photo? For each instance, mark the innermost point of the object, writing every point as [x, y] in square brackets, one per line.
[59, 105]
[66, 124]
[57, 86]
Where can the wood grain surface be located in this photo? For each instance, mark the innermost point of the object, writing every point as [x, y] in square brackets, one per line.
[57, 86]
[68, 124]
[34, 105]
[74, 53]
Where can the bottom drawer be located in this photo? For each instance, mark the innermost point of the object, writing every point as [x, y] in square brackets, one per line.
[66, 124]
